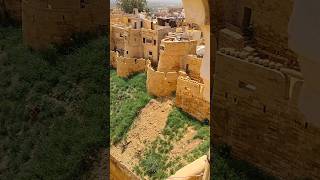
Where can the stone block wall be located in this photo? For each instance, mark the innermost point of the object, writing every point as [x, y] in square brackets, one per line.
[132, 43]
[189, 97]
[255, 112]
[192, 67]
[161, 84]
[45, 22]
[117, 37]
[150, 44]
[171, 57]
[129, 66]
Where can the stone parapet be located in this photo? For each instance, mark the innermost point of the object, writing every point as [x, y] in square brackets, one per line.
[128, 66]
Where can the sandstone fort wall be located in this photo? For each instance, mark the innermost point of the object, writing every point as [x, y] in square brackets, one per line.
[160, 83]
[129, 66]
[117, 37]
[189, 97]
[255, 111]
[193, 66]
[171, 57]
[132, 43]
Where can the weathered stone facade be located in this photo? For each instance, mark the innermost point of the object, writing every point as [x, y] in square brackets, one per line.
[117, 38]
[174, 52]
[46, 22]
[151, 39]
[10, 10]
[161, 84]
[189, 97]
[255, 111]
[192, 65]
[129, 66]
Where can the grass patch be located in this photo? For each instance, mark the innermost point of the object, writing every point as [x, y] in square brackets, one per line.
[52, 109]
[155, 163]
[128, 96]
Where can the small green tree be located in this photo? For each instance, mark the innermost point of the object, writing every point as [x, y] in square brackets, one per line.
[128, 5]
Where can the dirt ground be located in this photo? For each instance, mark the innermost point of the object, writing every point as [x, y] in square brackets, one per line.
[146, 128]
[185, 144]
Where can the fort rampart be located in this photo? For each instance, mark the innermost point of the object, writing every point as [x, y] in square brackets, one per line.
[160, 83]
[189, 97]
[128, 66]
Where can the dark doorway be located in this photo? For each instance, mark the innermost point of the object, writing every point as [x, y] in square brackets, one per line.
[246, 21]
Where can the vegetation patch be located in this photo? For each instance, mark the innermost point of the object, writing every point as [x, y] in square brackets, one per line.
[52, 109]
[128, 97]
[156, 163]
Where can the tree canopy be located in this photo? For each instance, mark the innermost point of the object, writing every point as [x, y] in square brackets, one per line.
[128, 5]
